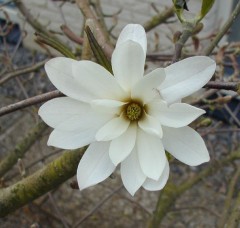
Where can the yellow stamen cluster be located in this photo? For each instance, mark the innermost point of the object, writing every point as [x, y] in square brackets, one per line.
[133, 111]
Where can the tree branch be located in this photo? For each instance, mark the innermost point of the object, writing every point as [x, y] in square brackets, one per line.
[102, 36]
[21, 71]
[229, 199]
[224, 30]
[30, 101]
[188, 30]
[32, 20]
[234, 217]
[234, 86]
[38, 27]
[41, 182]
[171, 192]
[159, 19]
[71, 35]
[21, 148]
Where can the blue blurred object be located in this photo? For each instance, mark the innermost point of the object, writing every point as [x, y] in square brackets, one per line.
[8, 3]
[13, 36]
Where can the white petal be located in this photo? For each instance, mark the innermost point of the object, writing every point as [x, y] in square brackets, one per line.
[186, 145]
[134, 32]
[95, 165]
[71, 139]
[112, 129]
[96, 82]
[57, 110]
[186, 77]
[107, 106]
[89, 120]
[176, 115]
[131, 173]
[151, 125]
[128, 64]
[122, 146]
[151, 155]
[152, 185]
[146, 88]
[59, 71]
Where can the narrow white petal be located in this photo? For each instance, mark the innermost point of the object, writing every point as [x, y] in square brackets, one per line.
[128, 64]
[131, 173]
[112, 129]
[90, 120]
[146, 88]
[186, 145]
[71, 139]
[176, 115]
[60, 109]
[95, 165]
[96, 82]
[151, 125]
[122, 146]
[107, 106]
[59, 71]
[152, 185]
[186, 77]
[151, 155]
[134, 32]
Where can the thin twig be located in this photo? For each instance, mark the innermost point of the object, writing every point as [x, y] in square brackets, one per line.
[42, 159]
[206, 209]
[30, 101]
[41, 182]
[228, 200]
[32, 20]
[22, 71]
[102, 36]
[171, 192]
[71, 35]
[234, 217]
[58, 212]
[159, 19]
[187, 32]
[104, 200]
[49, 215]
[234, 86]
[21, 148]
[224, 30]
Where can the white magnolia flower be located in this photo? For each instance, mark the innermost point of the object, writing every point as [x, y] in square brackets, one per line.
[128, 119]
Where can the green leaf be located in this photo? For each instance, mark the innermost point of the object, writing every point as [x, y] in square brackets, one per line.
[97, 51]
[206, 6]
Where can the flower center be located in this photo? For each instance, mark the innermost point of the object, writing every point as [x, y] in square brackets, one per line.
[133, 111]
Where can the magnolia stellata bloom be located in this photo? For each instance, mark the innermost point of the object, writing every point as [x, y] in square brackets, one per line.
[128, 119]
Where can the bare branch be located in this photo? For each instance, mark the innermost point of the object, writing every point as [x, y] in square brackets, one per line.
[224, 30]
[21, 71]
[21, 148]
[71, 35]
[234, 86]
[41, 182]
[30, 101]
[171, 192]
[102, 36]
[229, 198]
[159, 19]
